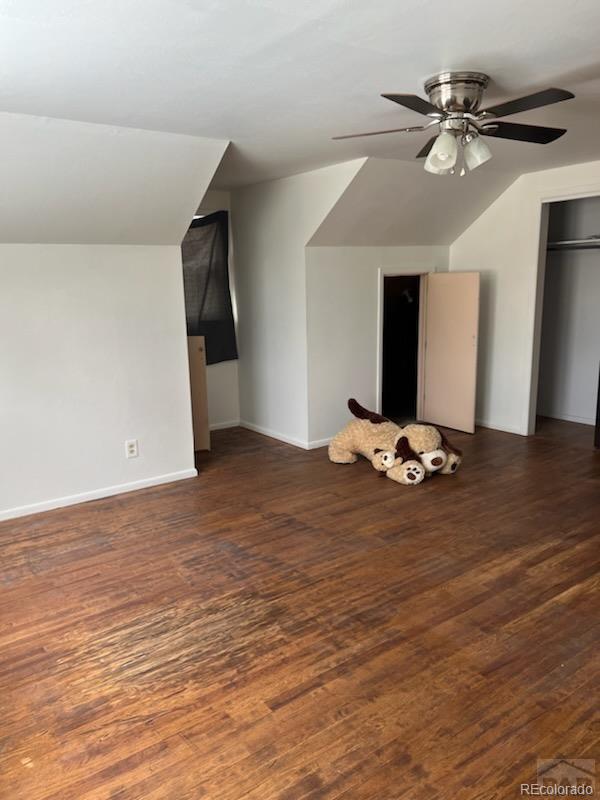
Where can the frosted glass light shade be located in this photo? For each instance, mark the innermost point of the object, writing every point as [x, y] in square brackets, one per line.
[443, 154]
[476, 153]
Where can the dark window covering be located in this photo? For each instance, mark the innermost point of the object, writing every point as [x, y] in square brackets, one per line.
[208, 309]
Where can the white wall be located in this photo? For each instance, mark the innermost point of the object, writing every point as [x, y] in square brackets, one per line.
[92, 322]
[222, 379]
[504, 245]
[343, 325]
[273, 222]
[76, 182]
[223, 394]
[92, 352]
[308, 315]
[570, 343]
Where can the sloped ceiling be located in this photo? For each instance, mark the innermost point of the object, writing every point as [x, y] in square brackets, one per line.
[280, 77]
[392, 203]
[75, 182]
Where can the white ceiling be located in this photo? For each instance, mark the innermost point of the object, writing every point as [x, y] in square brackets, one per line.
[280, 77]
[398, 203]
[72, 182]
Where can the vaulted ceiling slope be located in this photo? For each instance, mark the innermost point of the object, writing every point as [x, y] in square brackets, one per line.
[75, 182]
[280, 77]
[393, 203]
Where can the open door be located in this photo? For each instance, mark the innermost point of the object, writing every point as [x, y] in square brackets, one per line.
[449, 321]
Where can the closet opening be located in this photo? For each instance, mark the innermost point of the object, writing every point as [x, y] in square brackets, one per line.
[400, 346]
[569, 361]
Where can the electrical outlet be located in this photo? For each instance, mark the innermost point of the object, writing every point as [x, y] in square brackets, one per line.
[131, 448]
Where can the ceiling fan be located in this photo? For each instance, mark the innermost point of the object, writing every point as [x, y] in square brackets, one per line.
[454, 100]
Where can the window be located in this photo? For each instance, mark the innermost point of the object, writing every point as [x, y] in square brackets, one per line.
[208, 308]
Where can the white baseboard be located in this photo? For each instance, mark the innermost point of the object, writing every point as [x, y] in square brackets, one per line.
[96, 494]
[313, 445]
[487, 423]
[274, 435]
[219, 426]
[316, 443]
[571, 418]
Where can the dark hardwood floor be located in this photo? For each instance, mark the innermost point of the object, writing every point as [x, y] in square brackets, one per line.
[283, 627]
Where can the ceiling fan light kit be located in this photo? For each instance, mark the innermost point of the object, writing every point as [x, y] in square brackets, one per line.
[454, 108]
[475, 150]
[442, 156]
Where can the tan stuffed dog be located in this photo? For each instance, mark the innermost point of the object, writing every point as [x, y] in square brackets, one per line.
[405, 455]
[380, 443]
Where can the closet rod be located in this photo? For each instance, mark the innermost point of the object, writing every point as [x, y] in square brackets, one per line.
[575, 244]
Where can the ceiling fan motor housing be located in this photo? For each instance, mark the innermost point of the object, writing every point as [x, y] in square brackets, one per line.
[459, 92]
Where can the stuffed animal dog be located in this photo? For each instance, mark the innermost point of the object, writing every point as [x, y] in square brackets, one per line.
[405, 455]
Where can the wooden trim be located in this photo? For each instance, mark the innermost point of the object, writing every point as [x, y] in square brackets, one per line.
[597, 429]
[197, 359]
[422, 345]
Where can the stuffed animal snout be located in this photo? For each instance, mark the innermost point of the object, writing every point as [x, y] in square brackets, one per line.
[434, 460]
[453, 462]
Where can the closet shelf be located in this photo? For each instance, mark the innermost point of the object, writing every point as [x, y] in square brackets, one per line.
[591, 243]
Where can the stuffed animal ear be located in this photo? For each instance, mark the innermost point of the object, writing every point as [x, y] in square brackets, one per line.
[363, 413]
[450, 448]
[404, 451]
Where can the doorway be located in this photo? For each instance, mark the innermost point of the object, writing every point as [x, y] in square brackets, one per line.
[427, 348]
[400, 346]
[569, 362]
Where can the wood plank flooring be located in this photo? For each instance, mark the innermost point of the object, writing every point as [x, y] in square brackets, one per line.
[283, 628]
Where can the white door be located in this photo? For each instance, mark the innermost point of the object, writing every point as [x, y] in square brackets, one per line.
[448, 349]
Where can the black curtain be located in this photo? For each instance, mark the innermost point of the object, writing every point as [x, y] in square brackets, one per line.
[208, 309]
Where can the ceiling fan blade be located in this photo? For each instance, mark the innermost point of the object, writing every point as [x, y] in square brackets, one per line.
[414, 129]
[424, 151]
[522, 133]
[530, 101]
[415, 103]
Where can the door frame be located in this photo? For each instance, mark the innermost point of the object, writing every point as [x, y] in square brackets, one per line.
[381, 275]
[543, 214]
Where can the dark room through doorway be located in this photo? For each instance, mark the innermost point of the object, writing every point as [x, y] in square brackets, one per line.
[400, 351]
